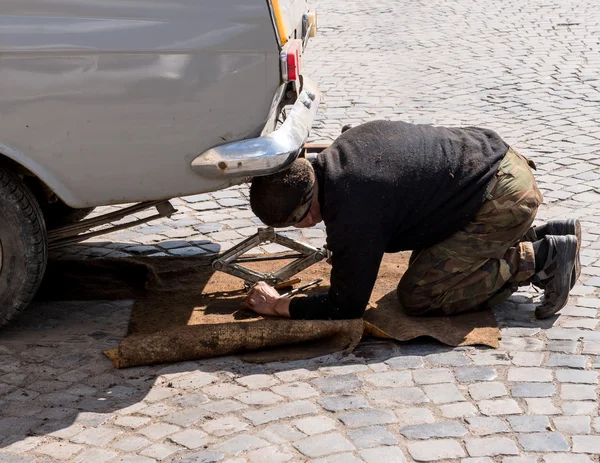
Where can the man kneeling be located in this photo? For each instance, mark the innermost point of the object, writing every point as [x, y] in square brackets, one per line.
[460, 198]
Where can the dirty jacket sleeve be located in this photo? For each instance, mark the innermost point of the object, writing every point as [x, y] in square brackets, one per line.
[356, 257]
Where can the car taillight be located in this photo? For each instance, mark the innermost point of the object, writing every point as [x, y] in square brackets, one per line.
[291, 60]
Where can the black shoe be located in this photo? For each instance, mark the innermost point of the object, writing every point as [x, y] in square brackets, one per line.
[557, 274]
[559, 228]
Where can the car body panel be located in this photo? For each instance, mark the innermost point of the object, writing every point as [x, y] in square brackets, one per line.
[109, 101]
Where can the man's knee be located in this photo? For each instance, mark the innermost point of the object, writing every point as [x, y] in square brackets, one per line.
[410, 302]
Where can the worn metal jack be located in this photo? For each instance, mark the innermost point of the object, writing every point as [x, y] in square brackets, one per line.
[230, 261]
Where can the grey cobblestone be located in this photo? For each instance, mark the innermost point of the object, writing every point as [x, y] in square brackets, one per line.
[533, 423]
[491, 446]
[367, 418]
[486, 425]
[436, 450]
[428, 431]
[372, 437]
[543, 442]
[534, 80]
[321, 445]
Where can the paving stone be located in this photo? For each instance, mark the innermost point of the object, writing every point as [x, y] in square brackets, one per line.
[586, 444]
[481, 391]
[207, 456]
[567, 347]
[571, 361]
[519, 460]
[223, 407]
[343, 369]
[338, 384]
[380, 454]
[570, 376]
[158, 430]
[192, 381]
[452, 359]
[281, 433]
[297, 390]
[288, 410]
[134, 459]
[410, 416]
[531, 423]
[541, 406]
[543, 442]
[241, 443]
[87, 456]
[257, 381]
[499, 407]
[427, 431]
[159, 451]
[443, 393]
[491, 446]
[371, 437]
[367, 417]
[259, 398]
[397, 396]
[529, 374]
[7, 458]
[579, 408]
[99, 437]
[224, 426]
[190, 438]
[390, 379]
[591, 348]
[577, 392]
[315, 425]
[485, 425]
[405, 362]
[563, 457]
[433, 376]
[300, 374]
[187, 417]
[528, 359]
[59, 450]
[459, 410]
[270, 454]
[339, 458]
[131, 443]
[324, 444]
[224, 391]
[478, 460]
[475, 373]
[436, 450]
[533, 390]
[573, 424]
[343, 402]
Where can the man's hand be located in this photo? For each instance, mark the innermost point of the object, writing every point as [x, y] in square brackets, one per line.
[265, 300]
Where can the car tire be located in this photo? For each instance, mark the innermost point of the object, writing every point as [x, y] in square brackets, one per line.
[58, 214]
[23, 245]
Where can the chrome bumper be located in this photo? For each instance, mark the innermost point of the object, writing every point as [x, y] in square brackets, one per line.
[266, 154]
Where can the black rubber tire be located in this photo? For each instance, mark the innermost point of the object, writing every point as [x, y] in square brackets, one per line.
[23, 246]
[58, 214]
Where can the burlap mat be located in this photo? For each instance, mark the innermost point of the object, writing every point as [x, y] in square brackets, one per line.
[183, 310]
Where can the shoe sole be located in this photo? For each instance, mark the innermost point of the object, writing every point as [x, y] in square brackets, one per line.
[573, 227]
[562, 285]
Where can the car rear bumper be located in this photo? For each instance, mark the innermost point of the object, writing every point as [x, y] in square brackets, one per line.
[266, 154]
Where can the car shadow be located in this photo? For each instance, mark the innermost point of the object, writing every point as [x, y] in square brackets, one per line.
[55, 380]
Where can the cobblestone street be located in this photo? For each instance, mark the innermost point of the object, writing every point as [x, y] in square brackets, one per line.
[530, 71]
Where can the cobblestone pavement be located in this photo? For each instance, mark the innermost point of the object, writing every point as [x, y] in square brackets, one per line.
[529, 70]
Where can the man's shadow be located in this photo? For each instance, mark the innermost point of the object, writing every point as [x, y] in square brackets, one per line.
[55, 380]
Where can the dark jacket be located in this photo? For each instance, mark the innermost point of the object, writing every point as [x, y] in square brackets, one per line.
[392, 186]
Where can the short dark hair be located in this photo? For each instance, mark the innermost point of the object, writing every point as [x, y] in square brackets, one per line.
[284, 198]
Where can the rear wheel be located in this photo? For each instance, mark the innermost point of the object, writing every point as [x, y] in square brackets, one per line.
[23, 245]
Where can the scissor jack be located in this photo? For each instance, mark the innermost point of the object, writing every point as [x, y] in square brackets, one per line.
[230, 261]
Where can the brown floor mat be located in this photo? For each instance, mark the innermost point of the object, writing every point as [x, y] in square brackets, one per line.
[183, 310]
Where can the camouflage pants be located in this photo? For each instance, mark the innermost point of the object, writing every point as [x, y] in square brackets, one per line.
[483, 263]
